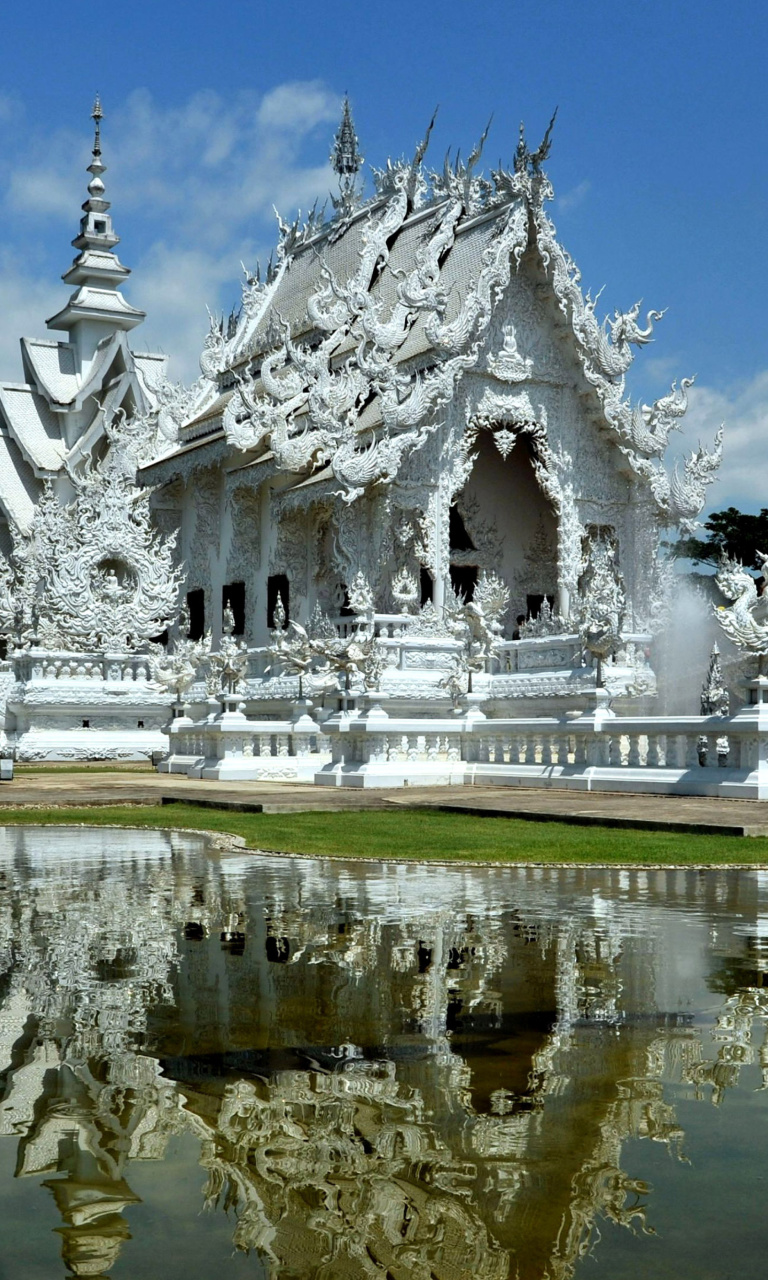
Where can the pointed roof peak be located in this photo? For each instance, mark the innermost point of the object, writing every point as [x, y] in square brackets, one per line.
[345, 156]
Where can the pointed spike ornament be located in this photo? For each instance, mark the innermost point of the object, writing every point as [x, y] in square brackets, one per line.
[346, 159]
[96, 167]
[97, 115]
[527, 161]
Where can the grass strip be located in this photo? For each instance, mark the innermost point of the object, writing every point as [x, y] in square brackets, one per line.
[419, 835]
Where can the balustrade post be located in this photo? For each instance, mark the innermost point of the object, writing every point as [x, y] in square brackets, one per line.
[691, 751]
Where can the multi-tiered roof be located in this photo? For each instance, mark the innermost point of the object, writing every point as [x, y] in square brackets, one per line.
[55, 418]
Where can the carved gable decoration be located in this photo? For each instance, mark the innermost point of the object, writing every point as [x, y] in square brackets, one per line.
[94, 574]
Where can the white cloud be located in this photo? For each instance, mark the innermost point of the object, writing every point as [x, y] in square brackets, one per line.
[25, 303]
[743, 409]
[573, 198]
[192, 189]
[298, 107]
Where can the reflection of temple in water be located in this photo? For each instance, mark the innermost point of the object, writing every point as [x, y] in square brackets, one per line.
[390, 1070]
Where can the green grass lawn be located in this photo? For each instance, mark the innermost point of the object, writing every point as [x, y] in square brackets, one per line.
[419, 835]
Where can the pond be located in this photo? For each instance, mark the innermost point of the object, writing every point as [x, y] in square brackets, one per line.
[215, 1063]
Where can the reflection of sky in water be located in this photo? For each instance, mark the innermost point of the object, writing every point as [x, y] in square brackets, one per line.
[365, 1070]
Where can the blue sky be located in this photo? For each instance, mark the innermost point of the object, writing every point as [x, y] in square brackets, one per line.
[213, 114]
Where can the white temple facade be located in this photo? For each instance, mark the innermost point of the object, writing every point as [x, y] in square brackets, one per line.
[416, 519]
[412, 467]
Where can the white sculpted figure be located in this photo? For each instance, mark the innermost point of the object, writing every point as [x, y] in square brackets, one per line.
[176, 669]
[477, 623]
[228, 664]
[603, 600]
[745, 621]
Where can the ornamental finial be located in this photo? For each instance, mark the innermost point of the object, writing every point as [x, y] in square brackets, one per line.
[527, 161]
[97, 115]
[346, 159]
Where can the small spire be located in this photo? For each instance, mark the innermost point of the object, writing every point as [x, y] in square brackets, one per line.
[96, 271]
[97, 167]
[345, 156]
[97, 115]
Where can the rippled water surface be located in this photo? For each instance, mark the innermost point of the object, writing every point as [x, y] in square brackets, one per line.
[227, 1066]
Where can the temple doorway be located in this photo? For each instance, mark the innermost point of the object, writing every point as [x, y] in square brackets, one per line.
[501, 520]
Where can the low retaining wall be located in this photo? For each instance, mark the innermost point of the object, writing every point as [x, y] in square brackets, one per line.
[724, 756]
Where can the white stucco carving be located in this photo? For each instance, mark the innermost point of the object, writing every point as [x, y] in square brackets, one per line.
[745, 620]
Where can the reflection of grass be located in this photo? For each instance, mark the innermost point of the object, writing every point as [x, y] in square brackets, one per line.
[420, 835]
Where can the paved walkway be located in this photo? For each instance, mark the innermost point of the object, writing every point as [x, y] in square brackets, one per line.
[47, 787]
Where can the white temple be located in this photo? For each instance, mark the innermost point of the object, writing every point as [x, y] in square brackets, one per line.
[85, 580]
[408, 494]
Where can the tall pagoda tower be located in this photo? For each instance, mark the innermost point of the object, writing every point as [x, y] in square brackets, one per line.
[54, 419]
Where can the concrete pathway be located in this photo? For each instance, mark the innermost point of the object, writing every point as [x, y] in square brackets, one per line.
[48, 787]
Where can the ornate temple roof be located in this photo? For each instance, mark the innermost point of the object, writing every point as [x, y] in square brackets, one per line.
[366, 325]
[52, 419]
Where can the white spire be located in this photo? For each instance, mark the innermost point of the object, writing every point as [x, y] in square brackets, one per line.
[96, 308]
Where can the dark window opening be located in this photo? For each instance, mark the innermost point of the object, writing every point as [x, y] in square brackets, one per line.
[278, 949]
[345, 611]
[86, 724]
[234, 596]
[533, 604]
[425, 957]
[194, 931]
[458, 537]
[99, 227]
[277, 588]
[453, 1011]
[118, 967]
[234, 943]
[464, 580]
[139, 724]
[196, 607]
[427, 585]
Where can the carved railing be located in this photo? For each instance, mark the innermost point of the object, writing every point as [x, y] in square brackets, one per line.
[51, 666]
[405, 649]
[230, 746]
[722, 755]
[719, 755]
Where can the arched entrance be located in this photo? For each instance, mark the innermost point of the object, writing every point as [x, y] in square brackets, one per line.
[501, 520]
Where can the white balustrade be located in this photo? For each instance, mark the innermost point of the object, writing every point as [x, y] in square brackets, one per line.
[229, 746]
[698, 755]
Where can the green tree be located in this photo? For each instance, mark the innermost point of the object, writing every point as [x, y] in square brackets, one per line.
[731, 532]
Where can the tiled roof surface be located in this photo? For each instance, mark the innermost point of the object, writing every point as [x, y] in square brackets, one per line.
[34, 427]
[54, 368]
[18, 487]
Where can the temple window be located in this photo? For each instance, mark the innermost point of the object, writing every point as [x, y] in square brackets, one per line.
[234, 595]
[464, 580]
[458, 537]
[277, 587]
[427, 586]
[196, 607]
